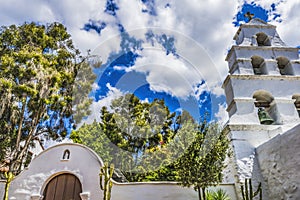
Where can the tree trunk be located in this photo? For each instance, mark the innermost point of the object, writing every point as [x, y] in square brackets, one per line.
[9, 176]
[199, 192]
[203, 193]
[20, 124]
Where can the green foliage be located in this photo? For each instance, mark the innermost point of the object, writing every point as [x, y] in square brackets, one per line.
[137, 128]
[247, 190]
[106, 173]
[162, 162]
[202, 163]
[92, 136]
[219, 194]
[142, 139]
[42, 78]
[148, 143]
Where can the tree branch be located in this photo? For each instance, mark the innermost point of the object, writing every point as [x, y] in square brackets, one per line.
[21, 124]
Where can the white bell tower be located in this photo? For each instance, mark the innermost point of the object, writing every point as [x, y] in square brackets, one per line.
[262, 93]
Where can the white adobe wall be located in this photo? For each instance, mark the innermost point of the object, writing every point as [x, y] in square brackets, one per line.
[83, 163]
[244, 36]
[239, 91]
[2, 186]
[245, 131]
[161, 191]
[244, 140]
[279, 161]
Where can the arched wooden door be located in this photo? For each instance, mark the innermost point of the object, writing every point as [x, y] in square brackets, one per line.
[63, 187]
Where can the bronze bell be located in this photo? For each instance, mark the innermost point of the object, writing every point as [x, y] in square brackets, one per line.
[264, 117]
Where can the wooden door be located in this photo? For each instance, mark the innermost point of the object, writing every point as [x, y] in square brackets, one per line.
[63, 187]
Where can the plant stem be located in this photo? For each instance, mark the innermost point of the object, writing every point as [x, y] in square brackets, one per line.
[9, 177]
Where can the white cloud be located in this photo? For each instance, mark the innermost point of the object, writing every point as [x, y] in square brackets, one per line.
[73, 14]
[210, 28]
[288, 30]
[202, 37]
[222, 115]
[218, 91]
[209, 24]
[131, 16]
[167, 73]
[103, 45]
[95, 87]
[203, 32]
[19, 11]
[120, 68]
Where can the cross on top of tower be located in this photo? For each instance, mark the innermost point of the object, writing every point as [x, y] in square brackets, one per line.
[249, 15]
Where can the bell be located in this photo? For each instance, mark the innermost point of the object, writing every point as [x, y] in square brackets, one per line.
[264, 117]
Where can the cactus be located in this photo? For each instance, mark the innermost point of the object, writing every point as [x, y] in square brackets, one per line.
[247, 190]
[106, 184]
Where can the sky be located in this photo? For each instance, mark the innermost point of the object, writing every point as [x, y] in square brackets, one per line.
[172, 50]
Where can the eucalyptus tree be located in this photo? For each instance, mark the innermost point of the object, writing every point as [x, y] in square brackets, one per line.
[43, 77]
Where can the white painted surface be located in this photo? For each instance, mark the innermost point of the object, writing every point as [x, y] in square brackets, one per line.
[245, 130]
[279, 161]
[2, 186]
[161, 191]
[83, 163]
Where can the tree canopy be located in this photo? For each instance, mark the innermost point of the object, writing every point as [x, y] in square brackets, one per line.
[42, 78]
[149, 143]
[129, 130]
[136, 126]
[202, 163]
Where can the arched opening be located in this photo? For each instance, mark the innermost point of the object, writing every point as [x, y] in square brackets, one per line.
[297, 102]
[284, 66]
[267, 111]
[258, 65]
[66, 155]
[63, 187]
[262, 39]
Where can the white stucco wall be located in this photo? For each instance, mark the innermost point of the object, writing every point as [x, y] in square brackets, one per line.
[242, 83]
[161, 191]
[244, 140]
[83, 163]
[2, 185]
[239, 91]
[279, 161]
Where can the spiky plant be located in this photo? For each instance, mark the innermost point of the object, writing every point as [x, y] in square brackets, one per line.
[219, 194]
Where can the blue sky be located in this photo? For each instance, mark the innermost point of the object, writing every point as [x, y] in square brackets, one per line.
[174, 50]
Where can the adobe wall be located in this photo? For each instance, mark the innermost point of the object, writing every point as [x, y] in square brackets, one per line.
[161, 191]
[279, 162]
[82, 162]
[85, 165]
[149, 191]
[2, 185]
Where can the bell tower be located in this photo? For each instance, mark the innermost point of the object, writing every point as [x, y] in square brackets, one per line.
[262, 93]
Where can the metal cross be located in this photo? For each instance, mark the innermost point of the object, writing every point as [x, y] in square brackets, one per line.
[249, 15]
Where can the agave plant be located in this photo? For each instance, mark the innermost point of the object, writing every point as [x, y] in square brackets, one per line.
[219, 194]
